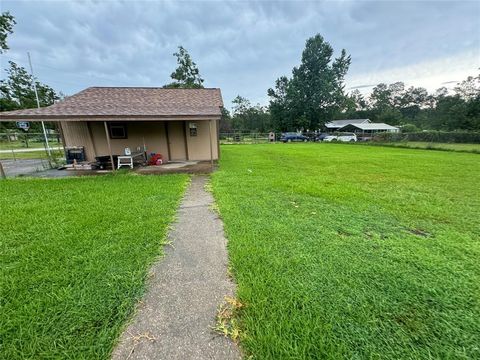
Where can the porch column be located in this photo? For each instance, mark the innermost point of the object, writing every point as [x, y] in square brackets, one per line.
[211, 145]
[185, 139]
[109, 145]
[165, 124]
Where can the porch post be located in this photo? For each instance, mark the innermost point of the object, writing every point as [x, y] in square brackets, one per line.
[211, 145]
[90, 134]
[109, 145]
[168, 140]
[185, 139]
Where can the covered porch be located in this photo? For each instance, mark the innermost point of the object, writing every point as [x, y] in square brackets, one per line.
[135, 122]
[175, 140]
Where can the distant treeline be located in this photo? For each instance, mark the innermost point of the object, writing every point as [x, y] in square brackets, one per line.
[315, 94]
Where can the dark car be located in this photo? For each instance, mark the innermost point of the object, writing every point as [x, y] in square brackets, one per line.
[290, 137]
[320, 137]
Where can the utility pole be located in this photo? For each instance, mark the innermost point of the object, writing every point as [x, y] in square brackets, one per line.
[38, 106]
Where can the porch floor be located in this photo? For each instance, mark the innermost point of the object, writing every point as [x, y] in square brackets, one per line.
[190, 167]
[186, 167]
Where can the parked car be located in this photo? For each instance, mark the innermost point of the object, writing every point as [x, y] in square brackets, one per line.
[320, 137]
[290, 137]
[330, 138]
[347, 137]
[344, 137]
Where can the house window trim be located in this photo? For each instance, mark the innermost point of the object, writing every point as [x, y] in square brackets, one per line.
[117, 124]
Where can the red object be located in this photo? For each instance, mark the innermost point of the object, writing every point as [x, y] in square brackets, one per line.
[155, 159]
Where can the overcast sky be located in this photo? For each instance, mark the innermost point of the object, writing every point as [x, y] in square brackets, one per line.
[242, 47]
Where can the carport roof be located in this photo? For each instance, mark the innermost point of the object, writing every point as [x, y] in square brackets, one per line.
[340, 123]
[127, 103]
[371, 126]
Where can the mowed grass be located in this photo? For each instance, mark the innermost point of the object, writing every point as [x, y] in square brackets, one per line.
[58, 154]
[75, 255]
[358, 252]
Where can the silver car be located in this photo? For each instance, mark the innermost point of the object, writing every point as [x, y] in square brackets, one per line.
[344, 137]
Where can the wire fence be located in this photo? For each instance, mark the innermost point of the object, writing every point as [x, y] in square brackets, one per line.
[239, 137]
[26, 145]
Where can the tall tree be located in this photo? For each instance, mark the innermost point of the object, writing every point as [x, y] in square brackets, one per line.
[7, 21]
[186, 75]
[280, 107]
[318, 81]
[316, 90]
[16, 91]
[225, 121]
[248, 117]
[469, 88]
[383, 100]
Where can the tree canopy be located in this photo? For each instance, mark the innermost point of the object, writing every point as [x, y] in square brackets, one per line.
[397, 105]
[7, 21]
[315, 92]
[246, 117]
[16, 90]
[186, 75]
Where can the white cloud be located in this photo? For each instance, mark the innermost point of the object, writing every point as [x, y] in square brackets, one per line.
[431, 74]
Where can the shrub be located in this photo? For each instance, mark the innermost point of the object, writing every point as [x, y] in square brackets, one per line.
[409, 128]
[431, 136]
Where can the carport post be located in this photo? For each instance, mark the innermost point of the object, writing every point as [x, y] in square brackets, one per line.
[211, 145]
[109, 146]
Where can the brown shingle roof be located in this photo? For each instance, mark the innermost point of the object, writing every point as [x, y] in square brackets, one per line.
[129, 103]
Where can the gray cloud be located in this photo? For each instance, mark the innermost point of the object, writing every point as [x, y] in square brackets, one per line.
[241, 47]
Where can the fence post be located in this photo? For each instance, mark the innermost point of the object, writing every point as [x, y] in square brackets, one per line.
[10, 142]
[2, 172]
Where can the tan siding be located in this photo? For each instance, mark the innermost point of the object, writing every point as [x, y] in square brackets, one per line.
[176, 138]
[76, 134]
[199, 146]
[152, 133]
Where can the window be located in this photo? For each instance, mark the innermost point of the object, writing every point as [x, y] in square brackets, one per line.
[118, 130]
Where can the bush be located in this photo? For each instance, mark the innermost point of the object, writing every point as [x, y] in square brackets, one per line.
[431, 136]
[409, 128]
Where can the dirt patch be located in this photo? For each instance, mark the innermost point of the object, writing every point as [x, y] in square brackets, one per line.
[419, 232]
[202, 167]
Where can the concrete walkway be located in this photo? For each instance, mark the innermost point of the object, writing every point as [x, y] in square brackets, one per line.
[175, 318]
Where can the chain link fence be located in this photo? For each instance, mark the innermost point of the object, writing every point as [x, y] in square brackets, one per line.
[239, 137]
[17, 145]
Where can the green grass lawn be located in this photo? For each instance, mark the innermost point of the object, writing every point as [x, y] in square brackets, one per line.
[75, 255]
[7, 145]
[30, 155]
[358, 252]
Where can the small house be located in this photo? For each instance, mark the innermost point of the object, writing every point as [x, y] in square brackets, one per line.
[180, 124]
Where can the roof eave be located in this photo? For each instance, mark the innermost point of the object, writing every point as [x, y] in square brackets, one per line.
[108, 117]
